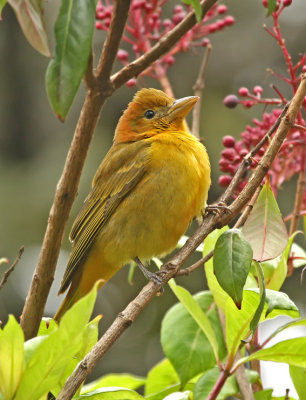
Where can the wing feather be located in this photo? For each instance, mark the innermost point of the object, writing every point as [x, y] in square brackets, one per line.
[120, 172]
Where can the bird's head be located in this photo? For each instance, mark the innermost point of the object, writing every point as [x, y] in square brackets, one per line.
[152, 112]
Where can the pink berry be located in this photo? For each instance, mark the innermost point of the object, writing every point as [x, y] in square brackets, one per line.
[99, 25]
[228, 141]
[287, 3]
[224, 180]
[243, 92]
[243, 153]
[228, 154]
[248, 103]
[231, 101]
[257, 89]
[212, 28]
[178, 17]
[304, 68]
[122, 55]
[205, 42]
[221, 9]
[131, 82]
[265, 3]
[178, 9]
[229, 20]
[220, 23]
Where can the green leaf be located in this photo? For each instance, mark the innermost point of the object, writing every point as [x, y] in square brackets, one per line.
[197, 314]
[220, 296]
[187, 395]
[31, 346]
[265, 229]
[12, 357]
[184, 342]
[162, 376]
[30, 15]
[2, 4]
[238, 321]
[271, 7]
[291, 351]
[127, 381]
[47, 326]
[207, 381]
[43, 370]
[298, 376]
[263, 394]
[232, 262]
[195, 4]
[262, 293]
[73, 33]
[110, 393]
[280, 301]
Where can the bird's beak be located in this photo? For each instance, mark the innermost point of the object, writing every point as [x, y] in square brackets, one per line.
[181, 107]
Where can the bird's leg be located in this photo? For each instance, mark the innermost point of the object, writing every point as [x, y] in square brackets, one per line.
[151, 276]
[220, 208]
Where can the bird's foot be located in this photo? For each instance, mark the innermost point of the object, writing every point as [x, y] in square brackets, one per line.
[151, 276]
[217, 209]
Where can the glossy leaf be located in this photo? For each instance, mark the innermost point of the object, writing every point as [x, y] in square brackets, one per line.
[195, 4]
[197, 314]
[12, 357]
[184, 342]
[264, 228]
[263, 394]
[232, 262]
[160, 378]
[43, 370]
[110, 393]
[220, 296]
[280, 301]
[298, 376]
[207, 381]
[30, 15]
[291, 351]
[127, 381]
[73, 33]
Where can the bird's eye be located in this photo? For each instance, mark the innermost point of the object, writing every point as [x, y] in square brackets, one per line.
[149, 114]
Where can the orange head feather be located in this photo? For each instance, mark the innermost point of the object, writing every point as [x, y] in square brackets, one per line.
[151, 112]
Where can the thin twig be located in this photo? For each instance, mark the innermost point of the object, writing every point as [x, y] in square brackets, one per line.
[301, 183]
[198, 89]
[8, 272]
[169, 269]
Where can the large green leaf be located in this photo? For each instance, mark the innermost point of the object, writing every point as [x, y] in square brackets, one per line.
[73, 33]
[232, 262]
[298, 376]
[265, 229]
[11, 357]
[184, 342]
[291, 351]
[207, 381]
[127, 381]
[162, 379]
[110, 393]
[49, 360]
[197, 314]
[220, 296]
[30, 15]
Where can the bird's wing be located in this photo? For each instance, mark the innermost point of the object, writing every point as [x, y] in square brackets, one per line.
[120, 172]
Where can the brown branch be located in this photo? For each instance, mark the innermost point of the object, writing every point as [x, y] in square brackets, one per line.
[67, 187]
[198, 89]
[301, 183]
[100, 87]
[8, 272]
[169, 269]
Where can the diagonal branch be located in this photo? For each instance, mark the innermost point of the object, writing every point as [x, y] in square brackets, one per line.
[210, 222]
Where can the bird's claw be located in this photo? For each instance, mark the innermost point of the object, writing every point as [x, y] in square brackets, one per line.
[217, 209]
[155, 277]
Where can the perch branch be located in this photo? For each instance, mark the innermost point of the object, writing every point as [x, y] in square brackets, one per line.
[8, 272]
[169, 269]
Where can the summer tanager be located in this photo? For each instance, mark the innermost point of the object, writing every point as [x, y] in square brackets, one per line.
[149, 187]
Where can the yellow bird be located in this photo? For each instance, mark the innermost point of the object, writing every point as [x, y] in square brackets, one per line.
[151, 184]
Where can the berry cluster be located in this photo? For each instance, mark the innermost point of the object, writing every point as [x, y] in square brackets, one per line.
[291, 158]
[146, 26]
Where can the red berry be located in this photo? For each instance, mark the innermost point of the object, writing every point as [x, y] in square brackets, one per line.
[205, 42]
[257, 89]
[221, 9]
[131, 82]
[224, 180]
[243, 152]
[287, 3]
[178, 9]
[212, 28]
[248, 103]
[229, 153]
[304, 68]
[231, 101]
[228, 141]
[99, 25]
[229, 20]
[243, 92]
[265, 3]
[220, 23]
[122, 55]
[178, 17]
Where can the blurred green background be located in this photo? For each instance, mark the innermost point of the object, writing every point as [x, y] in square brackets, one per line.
[33, 146]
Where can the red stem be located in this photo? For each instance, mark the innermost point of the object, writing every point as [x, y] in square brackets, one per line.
[219, 384]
